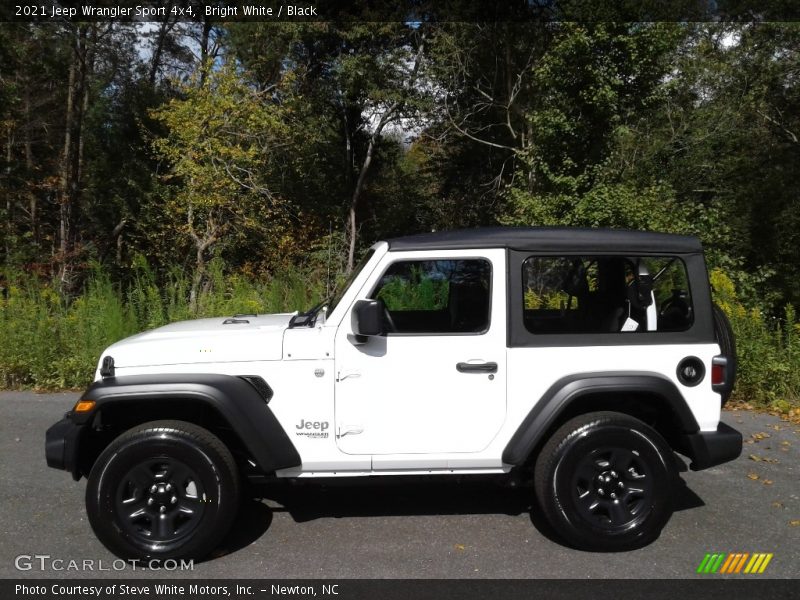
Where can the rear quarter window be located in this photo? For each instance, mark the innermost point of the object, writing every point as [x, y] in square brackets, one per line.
[605, 294]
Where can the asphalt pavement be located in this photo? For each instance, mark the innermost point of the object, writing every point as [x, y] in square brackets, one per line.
[448, 528]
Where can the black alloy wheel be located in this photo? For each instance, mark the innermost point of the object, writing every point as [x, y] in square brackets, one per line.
[164, 489]
[160, 501]
[604, 481]
[613, 488]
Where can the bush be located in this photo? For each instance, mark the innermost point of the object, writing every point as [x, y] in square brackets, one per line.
[49, 343]
[768, 349]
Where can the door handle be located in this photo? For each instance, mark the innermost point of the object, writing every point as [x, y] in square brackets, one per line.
[342, 375]
[343, 430]
[486, 367]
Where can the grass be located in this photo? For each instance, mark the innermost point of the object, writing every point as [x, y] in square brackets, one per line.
[48, 343]
[768, 350]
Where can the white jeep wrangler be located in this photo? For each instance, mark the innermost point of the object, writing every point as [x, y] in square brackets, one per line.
[585, 357]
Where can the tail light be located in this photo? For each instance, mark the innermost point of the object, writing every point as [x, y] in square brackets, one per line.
[719, 374]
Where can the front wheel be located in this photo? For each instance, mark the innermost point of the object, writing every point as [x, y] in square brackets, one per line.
[164, 489]
[604, 482]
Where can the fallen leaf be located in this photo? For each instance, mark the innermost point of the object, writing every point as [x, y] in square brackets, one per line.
[777, 505]
[794, 523]
[460, 547]
[748, 441]
[786, 443]
[776, 427]
[766, 481]
[752, 476]
[755, 458]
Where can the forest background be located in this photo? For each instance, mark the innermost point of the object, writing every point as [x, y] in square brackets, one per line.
[160, 171]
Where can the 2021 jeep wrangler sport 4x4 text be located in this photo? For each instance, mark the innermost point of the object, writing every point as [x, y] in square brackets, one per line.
[585, 357]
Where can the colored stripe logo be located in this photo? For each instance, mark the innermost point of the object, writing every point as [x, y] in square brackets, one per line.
[735, 563]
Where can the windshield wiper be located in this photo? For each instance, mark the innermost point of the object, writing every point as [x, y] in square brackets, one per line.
[309, 317]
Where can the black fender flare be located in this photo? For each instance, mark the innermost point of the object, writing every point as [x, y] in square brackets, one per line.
[234, 398]
[572, 387]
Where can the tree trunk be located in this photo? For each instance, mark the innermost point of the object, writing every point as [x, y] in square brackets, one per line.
[202, 244]
[199, 272]
[386, 118]
[32, 198]
[64, 199]
[204, 53]
[71, 155]
[362, 175]
[9, 157]
[115, 239]
[155, 62]
[86, 63]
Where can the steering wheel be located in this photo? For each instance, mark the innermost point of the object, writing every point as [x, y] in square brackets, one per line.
[676, 302]
[676, 310]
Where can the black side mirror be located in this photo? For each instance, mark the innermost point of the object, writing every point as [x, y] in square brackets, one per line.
[367, 319]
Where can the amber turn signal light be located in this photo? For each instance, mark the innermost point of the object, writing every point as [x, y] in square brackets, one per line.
[84, 406]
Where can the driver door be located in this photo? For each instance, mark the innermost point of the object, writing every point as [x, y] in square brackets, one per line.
[435, 382]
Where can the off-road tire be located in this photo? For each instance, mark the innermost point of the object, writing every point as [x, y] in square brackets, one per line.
[163, 489]
[727, 345]
[596, 456]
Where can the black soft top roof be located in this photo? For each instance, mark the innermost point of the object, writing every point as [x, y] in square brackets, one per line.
[551, 239]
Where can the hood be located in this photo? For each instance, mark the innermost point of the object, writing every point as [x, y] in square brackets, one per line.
[243, 338]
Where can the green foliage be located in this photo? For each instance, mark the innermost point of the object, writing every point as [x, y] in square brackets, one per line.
[49, 344]
[225, 145]
[220, 135]
[604, 205]
[768, 350]
[245, 168]
[594, 78]
[424, 294]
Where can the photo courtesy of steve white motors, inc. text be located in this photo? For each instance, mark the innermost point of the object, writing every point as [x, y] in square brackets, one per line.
[168, 589]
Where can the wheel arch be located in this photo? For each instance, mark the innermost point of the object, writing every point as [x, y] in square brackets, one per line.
[230, 407]
[650, 397]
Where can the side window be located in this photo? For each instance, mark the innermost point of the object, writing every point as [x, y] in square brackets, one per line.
[436, 296]
[605, 294]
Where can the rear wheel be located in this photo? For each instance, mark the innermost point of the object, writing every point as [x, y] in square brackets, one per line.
[723, 332]
[164, 489]
[603, 481]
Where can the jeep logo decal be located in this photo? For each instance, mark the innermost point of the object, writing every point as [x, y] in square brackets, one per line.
[312, 429]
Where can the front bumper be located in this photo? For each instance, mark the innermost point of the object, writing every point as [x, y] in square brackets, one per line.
[61, 446]
[711, 448]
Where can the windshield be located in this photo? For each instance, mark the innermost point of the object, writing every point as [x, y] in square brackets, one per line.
[337, 296]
